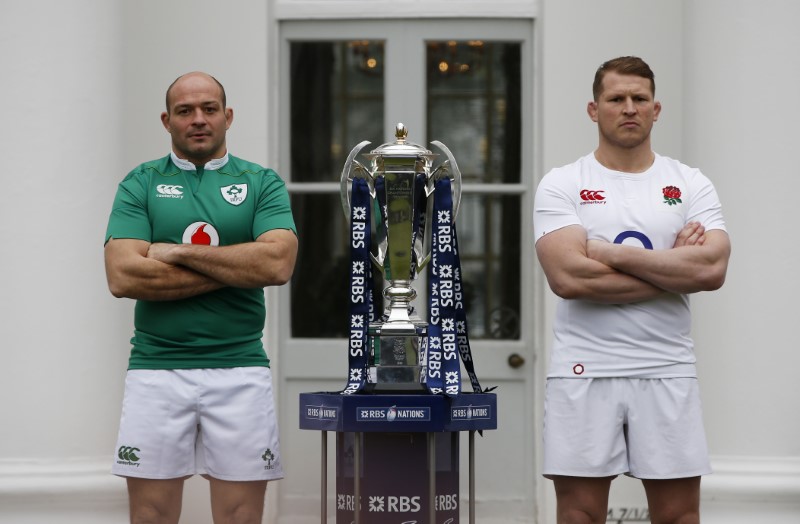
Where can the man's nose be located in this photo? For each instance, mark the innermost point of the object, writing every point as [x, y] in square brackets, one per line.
[629, 107]
[198, 117]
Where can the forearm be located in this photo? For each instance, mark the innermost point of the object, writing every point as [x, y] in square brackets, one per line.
[683, 269]
[132, 275]
[597, 282]
[573, 275]
[266, 262]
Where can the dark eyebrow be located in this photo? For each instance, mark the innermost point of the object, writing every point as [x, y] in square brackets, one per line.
[207, 103]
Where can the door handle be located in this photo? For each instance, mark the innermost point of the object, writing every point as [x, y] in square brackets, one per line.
[516, 361]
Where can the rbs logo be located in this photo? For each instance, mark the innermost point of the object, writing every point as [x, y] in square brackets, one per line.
[447, 502]
[402, 504]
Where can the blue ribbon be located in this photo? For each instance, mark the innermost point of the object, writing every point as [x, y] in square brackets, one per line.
[447, 333]
[461, 321]
[447, 317]
[444, 371]
[361, 309]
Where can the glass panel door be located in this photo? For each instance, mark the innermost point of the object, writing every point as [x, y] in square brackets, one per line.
[468, 84]
[473, 106]
[336, 102]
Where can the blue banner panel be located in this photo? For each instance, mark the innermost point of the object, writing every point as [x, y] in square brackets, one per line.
[398, 413]
[394, 478]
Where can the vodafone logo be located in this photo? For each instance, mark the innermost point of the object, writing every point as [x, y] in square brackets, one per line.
[201, 233]
[592, 196]
[169, 191]
[578, 369]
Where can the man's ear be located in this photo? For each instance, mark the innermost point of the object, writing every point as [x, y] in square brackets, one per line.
[656, 111]
[591, 109]
[165, 120]
[228, 117]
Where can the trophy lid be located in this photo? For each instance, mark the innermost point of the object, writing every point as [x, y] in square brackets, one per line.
[401, 146]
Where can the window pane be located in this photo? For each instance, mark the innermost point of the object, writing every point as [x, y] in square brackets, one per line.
[489, 245]
[336, 102]
[320, 282]
[474, 106]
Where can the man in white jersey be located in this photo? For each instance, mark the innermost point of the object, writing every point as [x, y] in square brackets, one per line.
[623, 236]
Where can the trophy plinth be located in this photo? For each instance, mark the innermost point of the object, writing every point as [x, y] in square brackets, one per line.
[400, 179]
[395, 343]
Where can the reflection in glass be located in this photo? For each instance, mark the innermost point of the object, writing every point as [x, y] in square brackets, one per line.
[336, 102]
[474, 102]
[489, 245]
[474, 106]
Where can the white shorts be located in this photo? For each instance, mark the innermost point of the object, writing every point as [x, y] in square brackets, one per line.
[218, 421]
[646, 428]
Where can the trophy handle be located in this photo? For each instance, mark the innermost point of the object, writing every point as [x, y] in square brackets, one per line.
[450, 169]
[353, 169]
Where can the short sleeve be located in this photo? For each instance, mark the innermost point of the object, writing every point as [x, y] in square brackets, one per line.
[274, 210]
[705, 206]
[129, 217]
[554, 205]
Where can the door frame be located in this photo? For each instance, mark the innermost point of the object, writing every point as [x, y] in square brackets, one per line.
[291, 354]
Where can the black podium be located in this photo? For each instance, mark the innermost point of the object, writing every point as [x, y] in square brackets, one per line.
[397, 455]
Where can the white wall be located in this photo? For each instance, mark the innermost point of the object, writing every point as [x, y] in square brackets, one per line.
[83, 87]
[60, 330]
[741, 70]
[742, 73]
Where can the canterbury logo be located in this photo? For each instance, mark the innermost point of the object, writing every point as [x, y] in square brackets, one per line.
[169, 191]
[589, 195]
[128, 453]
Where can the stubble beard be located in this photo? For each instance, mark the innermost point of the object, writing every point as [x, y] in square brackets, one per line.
[625, 140]
[198, 155]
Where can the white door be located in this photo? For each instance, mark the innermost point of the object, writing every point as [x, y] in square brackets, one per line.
[469, 84]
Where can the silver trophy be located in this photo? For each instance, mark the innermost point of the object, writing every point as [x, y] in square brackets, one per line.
[398, 341]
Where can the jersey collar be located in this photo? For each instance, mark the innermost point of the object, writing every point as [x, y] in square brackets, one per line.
[211, 165]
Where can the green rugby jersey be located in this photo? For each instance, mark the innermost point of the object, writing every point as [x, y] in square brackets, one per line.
[223, 204]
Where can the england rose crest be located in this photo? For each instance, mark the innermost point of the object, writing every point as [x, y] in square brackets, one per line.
[672, 195]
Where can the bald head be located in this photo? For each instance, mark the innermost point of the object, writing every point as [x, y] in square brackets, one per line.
[192, 75]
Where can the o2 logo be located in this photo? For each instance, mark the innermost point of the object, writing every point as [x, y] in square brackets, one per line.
[641, 237]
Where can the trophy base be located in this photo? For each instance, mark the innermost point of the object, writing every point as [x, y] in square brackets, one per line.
[395, 379]
[396, 361]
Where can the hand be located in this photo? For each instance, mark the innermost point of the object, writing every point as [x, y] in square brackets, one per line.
[162, 252]
[692, 234]
[595, 249]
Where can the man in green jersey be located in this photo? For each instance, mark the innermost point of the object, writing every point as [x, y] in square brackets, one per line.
[194, 237]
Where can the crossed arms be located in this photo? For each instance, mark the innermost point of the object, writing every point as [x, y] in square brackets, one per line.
[598, 271]
[141, 270]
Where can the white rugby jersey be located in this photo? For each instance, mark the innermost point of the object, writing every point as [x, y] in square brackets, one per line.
[648, 339]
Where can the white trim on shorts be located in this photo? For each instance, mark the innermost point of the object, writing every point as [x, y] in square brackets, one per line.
[645, 428]
[216, 421]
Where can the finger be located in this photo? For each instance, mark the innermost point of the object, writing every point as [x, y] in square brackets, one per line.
[684, 236]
